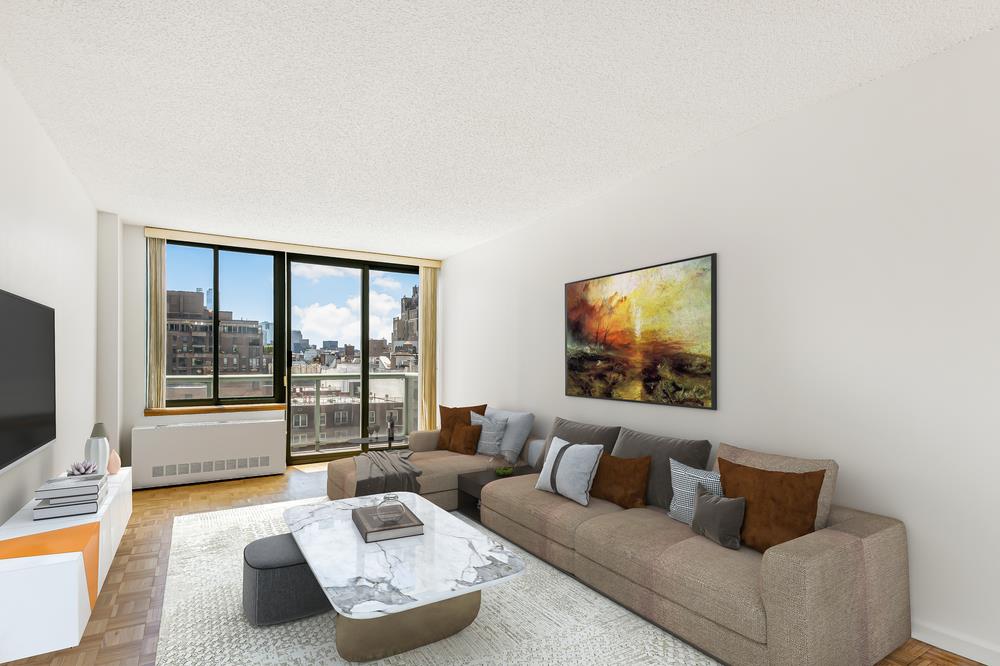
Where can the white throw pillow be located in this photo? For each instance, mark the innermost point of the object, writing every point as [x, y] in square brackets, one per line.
[569, 470]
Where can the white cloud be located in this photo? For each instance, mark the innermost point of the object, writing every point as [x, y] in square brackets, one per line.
[328, 322]
[387, 283]
[332, 322]
[382, 304]
[315, 272]
[380, 328]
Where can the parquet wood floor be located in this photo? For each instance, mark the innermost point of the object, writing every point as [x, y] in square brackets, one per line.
[126, 620]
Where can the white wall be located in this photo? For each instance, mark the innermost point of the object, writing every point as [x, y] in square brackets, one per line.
[48, 237]
[858, 317]
[109, 324]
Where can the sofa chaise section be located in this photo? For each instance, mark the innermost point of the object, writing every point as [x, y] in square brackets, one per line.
[439, 471]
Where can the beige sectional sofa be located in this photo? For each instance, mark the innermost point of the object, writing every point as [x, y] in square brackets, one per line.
[439, 471]
[836, 596]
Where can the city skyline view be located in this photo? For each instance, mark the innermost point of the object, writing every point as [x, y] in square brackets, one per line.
[325, 302]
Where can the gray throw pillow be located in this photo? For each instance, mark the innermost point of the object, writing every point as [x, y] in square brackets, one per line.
[718, 518]
[580, 433]
[686, 480]
[569, 470]
[516, 435]
[635, 444]
[492, 433]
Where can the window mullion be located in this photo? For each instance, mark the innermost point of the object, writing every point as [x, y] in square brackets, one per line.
[365, 362]
[216, 333]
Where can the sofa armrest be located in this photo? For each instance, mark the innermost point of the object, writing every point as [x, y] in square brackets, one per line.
[840, 595]
[424, 440]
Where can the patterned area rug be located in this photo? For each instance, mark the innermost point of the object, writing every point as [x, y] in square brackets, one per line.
[543, 617]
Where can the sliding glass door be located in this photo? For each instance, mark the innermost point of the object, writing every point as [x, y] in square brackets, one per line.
[393, 301]
[352, 357]
[324, 356]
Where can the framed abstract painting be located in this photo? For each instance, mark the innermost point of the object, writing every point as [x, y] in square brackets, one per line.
[645, 335]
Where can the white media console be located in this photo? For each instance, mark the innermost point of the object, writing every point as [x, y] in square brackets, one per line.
[49, 570]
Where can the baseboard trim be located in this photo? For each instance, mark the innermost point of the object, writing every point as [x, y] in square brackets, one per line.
[962, 644]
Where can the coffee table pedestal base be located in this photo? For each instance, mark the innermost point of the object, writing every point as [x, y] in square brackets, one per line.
[366, 640]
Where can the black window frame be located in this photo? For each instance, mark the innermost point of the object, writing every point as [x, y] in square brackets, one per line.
[366, 267]
[278, 323]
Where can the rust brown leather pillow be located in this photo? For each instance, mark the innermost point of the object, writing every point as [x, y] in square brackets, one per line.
[465, 438]
[622, 480]
[452, 416]
[781, 506]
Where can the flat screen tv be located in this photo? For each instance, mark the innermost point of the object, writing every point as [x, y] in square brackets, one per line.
[27, 378]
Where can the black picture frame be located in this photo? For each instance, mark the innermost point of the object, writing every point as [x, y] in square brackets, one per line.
[713, 374]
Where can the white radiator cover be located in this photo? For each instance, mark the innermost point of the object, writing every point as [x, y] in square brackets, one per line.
[179, 453]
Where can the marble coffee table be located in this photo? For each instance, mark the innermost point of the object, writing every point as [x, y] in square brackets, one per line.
[396, 595]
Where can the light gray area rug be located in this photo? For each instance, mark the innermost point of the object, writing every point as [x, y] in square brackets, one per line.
[544, 617]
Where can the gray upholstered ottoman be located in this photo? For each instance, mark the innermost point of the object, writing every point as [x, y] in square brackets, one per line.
[277, 583]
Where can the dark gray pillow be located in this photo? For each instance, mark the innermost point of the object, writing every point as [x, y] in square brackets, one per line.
[579, 433]
[718, 518]
[635, 444]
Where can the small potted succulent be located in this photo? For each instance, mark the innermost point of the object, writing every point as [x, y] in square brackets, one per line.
[501, 466]
[82, 468]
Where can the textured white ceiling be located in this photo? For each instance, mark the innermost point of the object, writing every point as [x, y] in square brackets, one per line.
[425, 127]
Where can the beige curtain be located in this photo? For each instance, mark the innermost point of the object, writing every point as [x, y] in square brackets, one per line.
[427, 354]
[156, 323]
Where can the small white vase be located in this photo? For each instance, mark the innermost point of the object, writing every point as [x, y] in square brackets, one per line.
[97, 448]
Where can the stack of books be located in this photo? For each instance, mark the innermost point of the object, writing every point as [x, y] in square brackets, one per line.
[372, 529]
[70, 496]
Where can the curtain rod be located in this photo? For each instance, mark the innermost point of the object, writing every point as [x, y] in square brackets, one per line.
[274, 246]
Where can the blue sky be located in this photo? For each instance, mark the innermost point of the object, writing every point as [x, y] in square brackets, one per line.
[326, 300]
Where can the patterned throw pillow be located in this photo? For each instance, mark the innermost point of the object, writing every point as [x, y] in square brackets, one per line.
[494, 428]
[685, 481]
[569, 470]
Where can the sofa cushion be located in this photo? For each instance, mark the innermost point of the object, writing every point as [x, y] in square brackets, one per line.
[664, 556]
[441, 474]
[779, 463]
[551, 516]
[580, 433]
[452, 416]
[635, 444]
[622, 480]
[519, 426]
[624, 542]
